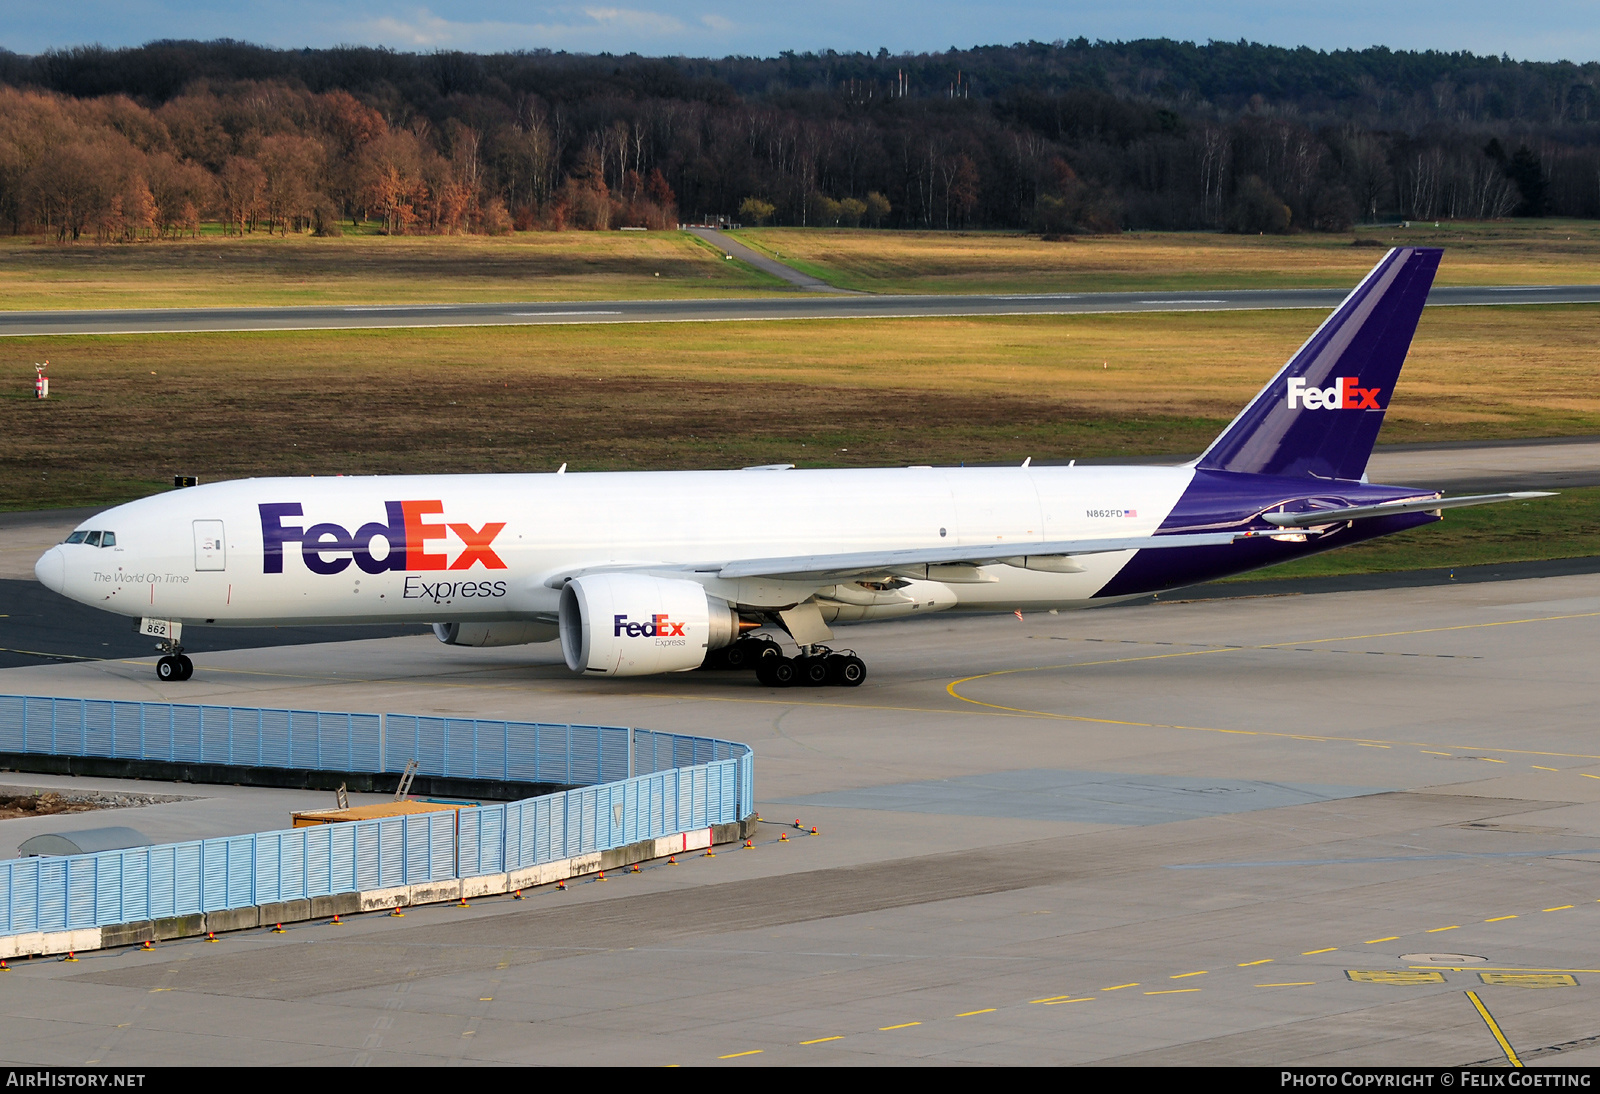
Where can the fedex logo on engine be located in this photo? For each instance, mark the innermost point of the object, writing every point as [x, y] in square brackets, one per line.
[1343, 395]
[330, 548]
[658, 627]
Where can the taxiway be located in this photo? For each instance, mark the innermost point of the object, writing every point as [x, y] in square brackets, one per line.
[1264, 830]
[775, 307]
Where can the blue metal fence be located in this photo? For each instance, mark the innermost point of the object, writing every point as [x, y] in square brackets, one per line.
[180, 733]
[679, 783]
[574, 755]
[535, 752]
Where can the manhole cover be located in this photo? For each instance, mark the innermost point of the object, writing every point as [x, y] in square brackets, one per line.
[1441, 958]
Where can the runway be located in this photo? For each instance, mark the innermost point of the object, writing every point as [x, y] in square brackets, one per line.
[776, 307]
[1250, 831]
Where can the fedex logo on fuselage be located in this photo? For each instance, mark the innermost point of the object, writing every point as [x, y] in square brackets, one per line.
[330, 548]
[1343, 395]
[658, 627]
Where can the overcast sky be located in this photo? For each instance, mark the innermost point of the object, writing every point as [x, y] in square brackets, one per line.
[1545, 30]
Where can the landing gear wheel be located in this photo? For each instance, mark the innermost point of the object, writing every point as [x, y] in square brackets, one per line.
[776, 672]
[811, 672]
[748, 653]
[846, 670]
[173, 664]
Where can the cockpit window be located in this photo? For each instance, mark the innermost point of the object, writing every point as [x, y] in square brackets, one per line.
[109, 539]
[93, 540]
[77, 537]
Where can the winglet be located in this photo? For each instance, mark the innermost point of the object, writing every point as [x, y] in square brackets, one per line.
[1321, 413]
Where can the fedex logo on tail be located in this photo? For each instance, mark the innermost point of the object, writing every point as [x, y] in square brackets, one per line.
[1345, 394]
[406, 535]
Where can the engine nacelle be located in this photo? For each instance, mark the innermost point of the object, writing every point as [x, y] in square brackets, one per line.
[635, 624]
[515, 633]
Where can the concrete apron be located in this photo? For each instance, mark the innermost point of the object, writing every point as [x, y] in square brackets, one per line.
[449, 890]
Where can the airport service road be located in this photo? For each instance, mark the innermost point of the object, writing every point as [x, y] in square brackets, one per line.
[781, 270]
[788, 306]
[1199, 832]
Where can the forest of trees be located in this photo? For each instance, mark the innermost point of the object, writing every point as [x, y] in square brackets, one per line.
[1058, 138]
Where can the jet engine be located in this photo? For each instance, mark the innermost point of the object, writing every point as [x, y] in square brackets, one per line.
[515, 633]
[635, 624]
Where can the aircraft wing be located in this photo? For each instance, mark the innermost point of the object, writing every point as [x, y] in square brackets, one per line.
[1424, 505]
[851, 564]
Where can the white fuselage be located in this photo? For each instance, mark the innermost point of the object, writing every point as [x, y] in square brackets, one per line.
[205, 554]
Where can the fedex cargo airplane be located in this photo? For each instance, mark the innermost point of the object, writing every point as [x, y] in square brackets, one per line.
[650, 572]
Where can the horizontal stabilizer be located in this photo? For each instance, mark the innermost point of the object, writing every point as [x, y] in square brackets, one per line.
[1389, 509]
[802, 567]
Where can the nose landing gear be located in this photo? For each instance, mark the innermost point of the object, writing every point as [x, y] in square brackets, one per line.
[174, 665]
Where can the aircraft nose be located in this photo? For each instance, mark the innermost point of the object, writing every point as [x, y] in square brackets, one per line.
[51, 569]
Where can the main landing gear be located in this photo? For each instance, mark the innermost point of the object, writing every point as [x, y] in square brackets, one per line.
[815, 667]
[174, 665]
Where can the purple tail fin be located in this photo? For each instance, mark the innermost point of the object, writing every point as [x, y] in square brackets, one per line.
[1321, 413]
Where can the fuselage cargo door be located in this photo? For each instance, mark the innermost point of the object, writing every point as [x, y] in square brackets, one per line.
[210, 552]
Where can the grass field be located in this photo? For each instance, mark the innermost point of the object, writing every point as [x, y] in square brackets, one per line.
[258, 270]
[128, 412]
[1514, 252]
